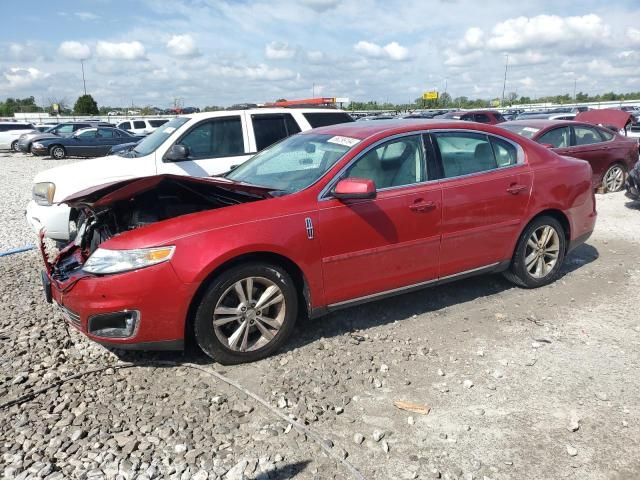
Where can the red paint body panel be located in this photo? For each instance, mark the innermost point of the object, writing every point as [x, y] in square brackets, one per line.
[403, 237]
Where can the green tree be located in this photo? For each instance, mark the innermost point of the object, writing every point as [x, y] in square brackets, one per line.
[86, 105]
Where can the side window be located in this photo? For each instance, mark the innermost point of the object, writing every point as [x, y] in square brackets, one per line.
[79, 126]
[106, 133]
[269, 129]
[463, 153]
[393, 164]
[64, 129]
[220, 137]
[506, 154]
[125, 125]
[586, 135]
[139, 124]
[606, 134]
[482, 118]
[322, 119]
[558, 137]
[88, 133]
[499, 117]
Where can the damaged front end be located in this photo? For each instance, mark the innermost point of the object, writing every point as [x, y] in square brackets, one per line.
[109, 210]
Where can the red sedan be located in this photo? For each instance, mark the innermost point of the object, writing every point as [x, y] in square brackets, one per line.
[320, 221]
[610, 155]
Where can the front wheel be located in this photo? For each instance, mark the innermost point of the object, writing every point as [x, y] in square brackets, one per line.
[58, 152]
[539, 254]
[246, 314]
[613, 179]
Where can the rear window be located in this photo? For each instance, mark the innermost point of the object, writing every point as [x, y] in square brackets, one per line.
[499, 117]
[606, 134]
[16, 126]
[523, 130]
[270, 128]
[323, 119]
[157, 123]
[139, 124]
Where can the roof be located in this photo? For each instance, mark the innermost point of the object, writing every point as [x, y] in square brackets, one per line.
[364, 130]
[541, 123]
[222, 113]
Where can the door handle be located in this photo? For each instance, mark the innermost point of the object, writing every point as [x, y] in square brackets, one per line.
[422, 206]
[516, 189]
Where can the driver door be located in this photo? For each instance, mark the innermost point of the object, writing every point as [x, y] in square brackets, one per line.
[214, 146]
[372, 246]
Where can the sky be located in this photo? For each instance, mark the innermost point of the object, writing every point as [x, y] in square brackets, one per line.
[221, 52]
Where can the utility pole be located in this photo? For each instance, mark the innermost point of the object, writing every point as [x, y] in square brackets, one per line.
[504, 84]
[445, 93]
[313, 90]
[83, 82]
[574, 90]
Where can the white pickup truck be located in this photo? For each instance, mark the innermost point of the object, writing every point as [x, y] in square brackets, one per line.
[199, 145]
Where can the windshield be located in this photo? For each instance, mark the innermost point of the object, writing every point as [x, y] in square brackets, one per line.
[150, 143]
[294, 163]
[523, 130]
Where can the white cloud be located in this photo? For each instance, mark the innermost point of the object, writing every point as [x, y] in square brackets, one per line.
[473, 39]
[121, 51]
[454, 58]
[393, 50]
[74, 50]
[279, 51]
[544, 30]
[22, 77]
[86, 15]
[633, 35]
[258, 72]
[182, 46]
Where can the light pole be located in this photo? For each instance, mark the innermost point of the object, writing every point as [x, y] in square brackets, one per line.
[84, 84]
[504, 84]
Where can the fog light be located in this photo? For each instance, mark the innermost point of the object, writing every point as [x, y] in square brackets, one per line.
[114, 325]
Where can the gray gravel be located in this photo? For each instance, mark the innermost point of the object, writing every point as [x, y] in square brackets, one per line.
[554, 373]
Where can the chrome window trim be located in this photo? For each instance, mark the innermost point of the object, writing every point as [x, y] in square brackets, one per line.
[520, 160]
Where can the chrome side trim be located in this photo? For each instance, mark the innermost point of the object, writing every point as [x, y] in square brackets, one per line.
[399, 290]
[309, 227]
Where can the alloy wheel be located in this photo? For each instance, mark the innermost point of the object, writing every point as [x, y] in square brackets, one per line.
[249, 314]
[614, 178]
[14, 146]
[542, 251]
[58, 152]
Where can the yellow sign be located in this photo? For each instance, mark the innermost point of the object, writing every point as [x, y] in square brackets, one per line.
[433, 95]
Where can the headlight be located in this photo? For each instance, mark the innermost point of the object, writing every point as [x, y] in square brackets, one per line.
[43, 193]
[104, 261]
[37, 145]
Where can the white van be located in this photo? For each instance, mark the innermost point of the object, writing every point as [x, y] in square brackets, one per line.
[142, 126]
[11, 131]
[199, 145]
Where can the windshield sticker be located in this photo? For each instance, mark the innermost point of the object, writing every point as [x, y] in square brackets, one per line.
[169, 130]
[346, 141]
[529, 129]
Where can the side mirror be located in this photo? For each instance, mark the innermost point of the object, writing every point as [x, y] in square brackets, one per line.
[547, 145]
[177, 153]
[355, 189]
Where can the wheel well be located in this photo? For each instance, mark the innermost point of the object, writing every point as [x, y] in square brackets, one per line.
[299, 280]
[560, 217]
[51, 147]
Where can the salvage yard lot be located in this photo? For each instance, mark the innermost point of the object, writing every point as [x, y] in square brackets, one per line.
[521, 383]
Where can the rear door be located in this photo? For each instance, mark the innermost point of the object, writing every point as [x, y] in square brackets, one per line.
[107, 137]
[588, 144]
[84, 144]
[485, 192]
[392, 241]
[214, 145]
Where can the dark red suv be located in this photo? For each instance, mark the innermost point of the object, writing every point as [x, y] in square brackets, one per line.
[320, 221]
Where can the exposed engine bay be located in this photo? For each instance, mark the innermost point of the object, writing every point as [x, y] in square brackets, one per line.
[123, 206]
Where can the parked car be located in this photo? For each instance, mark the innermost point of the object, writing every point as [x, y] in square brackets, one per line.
[123, 148]
[323, 220]
[142, 126]
[633, 183]
[88, 142]
[198, 145]
[65, 129]
[547, 116]
[610, 155]
[11, 131]
[491, 117]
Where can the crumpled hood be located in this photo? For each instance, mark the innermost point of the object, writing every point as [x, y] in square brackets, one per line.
[607, 117]
[109, 193]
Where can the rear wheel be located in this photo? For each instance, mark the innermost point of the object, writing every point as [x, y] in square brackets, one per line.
[246, 314]
[14, 145]
[539, 254]
[613, 179]
[58, 152]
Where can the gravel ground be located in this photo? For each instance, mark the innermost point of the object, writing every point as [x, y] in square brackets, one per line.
[521, 384]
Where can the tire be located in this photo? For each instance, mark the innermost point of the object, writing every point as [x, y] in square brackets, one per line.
[229, 342]
[613, 178]
[14, 146]
[538, 275]
[58, 152]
